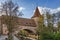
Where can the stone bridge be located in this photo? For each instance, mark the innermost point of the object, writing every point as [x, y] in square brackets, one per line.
[27, 28]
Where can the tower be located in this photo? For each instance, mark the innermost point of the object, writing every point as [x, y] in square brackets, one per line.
[36, 15]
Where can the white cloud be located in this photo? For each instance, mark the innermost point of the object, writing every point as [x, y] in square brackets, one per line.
[0, 4]
[21, 9]
[50, 10]
[55, 11]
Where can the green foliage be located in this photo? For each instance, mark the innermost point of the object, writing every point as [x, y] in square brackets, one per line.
[58, 25]
[49, 32]
[57, 36]
[40, 26]
[47, 36]
[48, 15]
[22, 33]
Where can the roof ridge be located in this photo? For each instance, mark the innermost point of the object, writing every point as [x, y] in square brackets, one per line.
[36, 13]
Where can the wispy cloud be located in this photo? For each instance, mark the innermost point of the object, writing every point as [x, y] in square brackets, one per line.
[21, 8]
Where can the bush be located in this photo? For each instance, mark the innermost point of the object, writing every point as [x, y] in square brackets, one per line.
[47, 36]
[57, 36]
[50, 36]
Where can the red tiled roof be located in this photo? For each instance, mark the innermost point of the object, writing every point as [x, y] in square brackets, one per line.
[25, 21]
[37, 13]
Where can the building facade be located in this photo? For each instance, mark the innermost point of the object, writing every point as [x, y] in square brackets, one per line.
[24, 24]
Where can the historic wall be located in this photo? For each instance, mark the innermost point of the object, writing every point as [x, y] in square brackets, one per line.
[33, 29]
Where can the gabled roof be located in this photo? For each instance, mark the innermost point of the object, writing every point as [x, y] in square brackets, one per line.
[37, 13]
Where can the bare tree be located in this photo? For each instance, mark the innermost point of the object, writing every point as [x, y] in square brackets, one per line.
[11, 13]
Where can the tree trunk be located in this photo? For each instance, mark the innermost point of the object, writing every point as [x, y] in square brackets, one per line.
[10, 36]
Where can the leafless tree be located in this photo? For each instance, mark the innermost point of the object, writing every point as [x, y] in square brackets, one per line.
[10, 11]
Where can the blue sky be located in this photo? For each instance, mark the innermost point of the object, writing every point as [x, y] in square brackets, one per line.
[28, 6]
